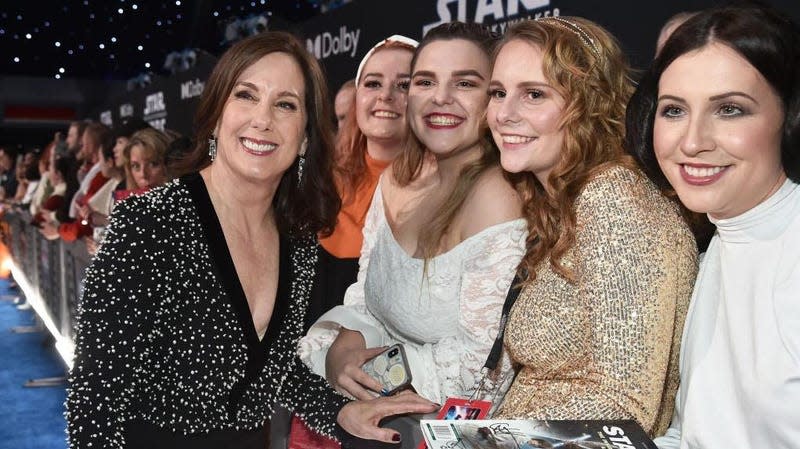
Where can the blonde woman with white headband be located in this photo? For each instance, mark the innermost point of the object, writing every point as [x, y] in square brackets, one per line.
[368, 145]
[365, 147]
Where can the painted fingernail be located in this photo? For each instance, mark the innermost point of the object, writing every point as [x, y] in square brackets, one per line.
[396, 438]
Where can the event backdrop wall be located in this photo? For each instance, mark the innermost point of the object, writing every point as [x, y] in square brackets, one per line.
[166, 103]
[340, 38]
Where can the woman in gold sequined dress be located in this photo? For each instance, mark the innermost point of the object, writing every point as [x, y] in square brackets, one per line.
[610, 261]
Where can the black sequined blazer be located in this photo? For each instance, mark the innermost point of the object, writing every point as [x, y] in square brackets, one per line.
[166, 350]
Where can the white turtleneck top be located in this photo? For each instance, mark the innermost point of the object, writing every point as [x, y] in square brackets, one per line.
[740, 357]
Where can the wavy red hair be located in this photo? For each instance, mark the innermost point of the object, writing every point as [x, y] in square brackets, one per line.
[596, 85]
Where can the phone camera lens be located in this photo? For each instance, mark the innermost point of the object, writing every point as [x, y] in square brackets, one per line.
[393, 352]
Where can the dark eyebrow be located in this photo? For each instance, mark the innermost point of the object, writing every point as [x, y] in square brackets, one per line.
[378, 74]
[284, 93]
[457, 73]
[711, 98]
[425, 73]
[732, 94]
[671, 97]
[469, 72]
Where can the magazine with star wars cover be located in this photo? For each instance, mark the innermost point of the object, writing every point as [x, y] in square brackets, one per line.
[530, 434]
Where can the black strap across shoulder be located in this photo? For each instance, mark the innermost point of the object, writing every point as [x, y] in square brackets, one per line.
[497, 347]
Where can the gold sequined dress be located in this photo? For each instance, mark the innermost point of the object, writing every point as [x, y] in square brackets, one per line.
[607, 346]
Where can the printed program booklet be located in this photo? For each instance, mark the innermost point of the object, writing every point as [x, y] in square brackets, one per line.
[530, 434]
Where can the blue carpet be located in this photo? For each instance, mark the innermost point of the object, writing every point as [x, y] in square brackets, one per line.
[32, 418]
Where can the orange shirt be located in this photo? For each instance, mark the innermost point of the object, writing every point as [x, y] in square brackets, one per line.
[345, 242]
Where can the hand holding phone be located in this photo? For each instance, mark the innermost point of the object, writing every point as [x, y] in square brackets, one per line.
[344, 365]
[391, 369]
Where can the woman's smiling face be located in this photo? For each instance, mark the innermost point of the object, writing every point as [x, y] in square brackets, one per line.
[525, 111]
[717, 132]
[381, 94]
[262, 128]
[447, 98]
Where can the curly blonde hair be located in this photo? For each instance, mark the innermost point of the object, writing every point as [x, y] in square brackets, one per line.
[585, 64]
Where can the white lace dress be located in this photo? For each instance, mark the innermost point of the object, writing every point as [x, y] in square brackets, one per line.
[447, 318]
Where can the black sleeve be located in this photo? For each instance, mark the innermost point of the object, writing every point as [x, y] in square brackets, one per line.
[111, 317]
[311, 398]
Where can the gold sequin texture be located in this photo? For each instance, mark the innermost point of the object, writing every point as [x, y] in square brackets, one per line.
[158, 338]
[607, 346]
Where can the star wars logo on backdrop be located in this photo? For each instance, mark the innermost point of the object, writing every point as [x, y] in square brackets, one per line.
[327, 44]
[155, 110]
[192, 88]
[126, 110]
[497, 14]
[106, 118]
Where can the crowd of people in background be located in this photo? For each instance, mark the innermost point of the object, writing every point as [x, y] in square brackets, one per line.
[522, 213]
[71, 185]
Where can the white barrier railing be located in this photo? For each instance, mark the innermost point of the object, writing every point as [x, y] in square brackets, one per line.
[50, 274]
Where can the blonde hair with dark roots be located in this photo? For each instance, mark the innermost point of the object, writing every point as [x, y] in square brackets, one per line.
[596, 89]
[409, 164]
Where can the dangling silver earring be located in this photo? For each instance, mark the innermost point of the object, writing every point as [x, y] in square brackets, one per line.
[300, 163]
[212, 148]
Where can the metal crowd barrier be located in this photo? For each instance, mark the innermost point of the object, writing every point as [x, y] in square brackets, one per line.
[50, 274]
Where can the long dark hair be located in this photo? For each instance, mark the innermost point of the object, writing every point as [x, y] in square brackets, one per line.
[67, 167]
[304, 207]
[769, 41]
[593, 78]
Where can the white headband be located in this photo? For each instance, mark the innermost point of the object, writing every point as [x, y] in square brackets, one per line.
[393, 38]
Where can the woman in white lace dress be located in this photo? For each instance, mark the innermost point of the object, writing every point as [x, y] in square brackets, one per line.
[442, 239]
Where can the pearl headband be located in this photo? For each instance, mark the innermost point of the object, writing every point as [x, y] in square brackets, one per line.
[393, 38]
[573, 27]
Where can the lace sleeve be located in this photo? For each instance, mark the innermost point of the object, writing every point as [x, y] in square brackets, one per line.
[354, 297]
[487, 273]
[353, 314]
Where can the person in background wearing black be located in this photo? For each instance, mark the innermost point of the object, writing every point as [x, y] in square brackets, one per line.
[8, 174]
